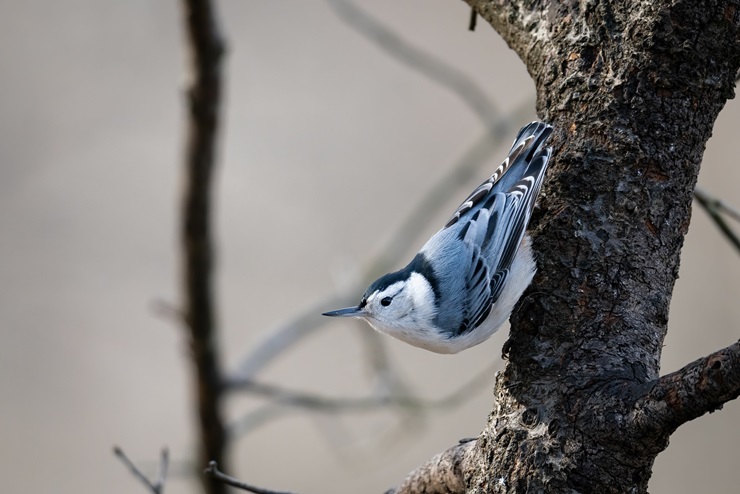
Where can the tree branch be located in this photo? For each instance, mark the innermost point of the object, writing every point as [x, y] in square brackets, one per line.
[157, 487]
[213, 472]
[443, 474]
[714, 208]
[204, 98]
[311, 401]
[702, 386]
[420, 60]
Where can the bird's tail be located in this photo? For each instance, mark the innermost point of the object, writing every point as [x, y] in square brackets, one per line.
[523, 159]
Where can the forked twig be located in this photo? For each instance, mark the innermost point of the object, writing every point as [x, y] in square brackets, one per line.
[157, 486]
[213, 472]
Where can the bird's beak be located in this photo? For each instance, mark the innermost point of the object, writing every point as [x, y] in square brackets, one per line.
[348, 312]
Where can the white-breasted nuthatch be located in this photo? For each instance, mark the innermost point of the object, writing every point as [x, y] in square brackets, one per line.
[463, 284]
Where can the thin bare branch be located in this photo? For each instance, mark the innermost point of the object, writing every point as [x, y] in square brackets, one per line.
[285, 401]
[728, 209]
[422, 61]
[700, 387]
[164, 464]
[213, 472]
[257, 418]
[315, 402]
[715, 208]
[284, 337]
[204, 100]
[156, 487]
[473, 20]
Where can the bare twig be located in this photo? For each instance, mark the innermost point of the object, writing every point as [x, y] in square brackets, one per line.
[427, 64]
[284, 401]
[718, 204]
[285, 336]
[204, 99]
[315, 402]
[256, 418]
[213, 472]
[700, 387]
[157, 487]
[473, 20]
[714, 208]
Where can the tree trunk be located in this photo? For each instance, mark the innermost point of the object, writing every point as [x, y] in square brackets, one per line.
[633, 90]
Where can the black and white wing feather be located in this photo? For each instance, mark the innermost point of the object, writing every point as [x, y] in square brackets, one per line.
[494, 219]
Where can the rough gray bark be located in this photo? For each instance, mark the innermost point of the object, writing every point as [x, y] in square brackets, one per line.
[633, 90]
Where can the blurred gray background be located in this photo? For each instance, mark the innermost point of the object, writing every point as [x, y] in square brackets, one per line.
[327, 143]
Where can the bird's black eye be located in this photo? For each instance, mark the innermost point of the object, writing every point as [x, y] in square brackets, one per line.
[386, 301]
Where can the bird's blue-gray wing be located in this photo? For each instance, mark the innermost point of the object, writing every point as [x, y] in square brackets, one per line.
[529, 140]
[494, 225]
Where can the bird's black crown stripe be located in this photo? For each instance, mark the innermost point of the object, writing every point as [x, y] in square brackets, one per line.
[419, 264]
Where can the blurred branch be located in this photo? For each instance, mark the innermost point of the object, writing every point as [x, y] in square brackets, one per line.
[213, 473]
[283, 337]
[420, 60]
[169, 311]
[204, 100]
[284, 401]
[315, 402]
[157, 487]
[256, 418]
[714, 208]
[717, 204]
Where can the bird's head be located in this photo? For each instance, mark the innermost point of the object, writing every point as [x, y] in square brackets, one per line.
[396, 301]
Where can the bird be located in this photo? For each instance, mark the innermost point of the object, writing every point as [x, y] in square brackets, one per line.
[461, 287]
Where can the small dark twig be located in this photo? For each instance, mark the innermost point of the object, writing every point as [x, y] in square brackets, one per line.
[718, 204]
[714, 209]
[157, 487]
[473, 20]
[213, 472]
